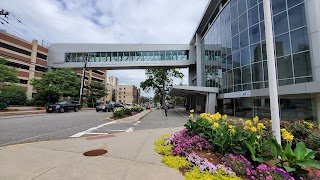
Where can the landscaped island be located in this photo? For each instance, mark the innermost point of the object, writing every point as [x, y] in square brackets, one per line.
[126, 111]
[215, 147]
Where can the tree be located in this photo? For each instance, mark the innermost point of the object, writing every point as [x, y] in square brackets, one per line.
[144, 99]
[53, 84]
[8, 74]
[159, 80]
[13, 95]
[96, 91]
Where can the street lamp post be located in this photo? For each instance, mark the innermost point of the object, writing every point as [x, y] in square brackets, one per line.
[273, 88]
[49, 93]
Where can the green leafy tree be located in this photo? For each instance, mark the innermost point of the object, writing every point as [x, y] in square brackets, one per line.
[159, 80]
[144, 99]
[13, 95]
[8, 74]
[53, 84]
[96, 91]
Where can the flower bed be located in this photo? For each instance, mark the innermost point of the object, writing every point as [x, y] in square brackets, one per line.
[213, 147]
[126, 111]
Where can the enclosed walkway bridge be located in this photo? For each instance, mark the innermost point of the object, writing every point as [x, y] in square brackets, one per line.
[121, 56]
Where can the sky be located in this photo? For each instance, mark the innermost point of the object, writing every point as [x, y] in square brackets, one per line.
[106, 21]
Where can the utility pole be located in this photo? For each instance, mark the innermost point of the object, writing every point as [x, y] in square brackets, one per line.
[273, 88]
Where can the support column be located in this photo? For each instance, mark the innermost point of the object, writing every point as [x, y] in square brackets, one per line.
[106, 86]
[32, 68]
[273, 87]
[212, 99]
[198, 62]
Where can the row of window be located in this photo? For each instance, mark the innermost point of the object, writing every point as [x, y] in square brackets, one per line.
[127, 56]
[242, 58]
[22, 51]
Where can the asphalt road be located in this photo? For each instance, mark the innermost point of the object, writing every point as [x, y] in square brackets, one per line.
[41, 127]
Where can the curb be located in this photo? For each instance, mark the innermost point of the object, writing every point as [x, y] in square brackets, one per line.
[21, 113]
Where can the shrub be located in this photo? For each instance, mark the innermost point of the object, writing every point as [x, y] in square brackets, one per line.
[239, 164]
[118, 112]
[3, 105]
[164, 150]
[313, 142]
[127, 110]
[13, 95]
[29, 102]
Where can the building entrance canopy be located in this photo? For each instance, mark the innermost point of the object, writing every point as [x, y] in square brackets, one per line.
[202, 99]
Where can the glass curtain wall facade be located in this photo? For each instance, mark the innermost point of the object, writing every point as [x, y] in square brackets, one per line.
[234, 50]
[126, 56]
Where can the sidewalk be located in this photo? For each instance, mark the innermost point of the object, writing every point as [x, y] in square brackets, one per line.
[130, 156]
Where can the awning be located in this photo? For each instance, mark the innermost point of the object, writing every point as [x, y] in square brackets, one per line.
[185, 91]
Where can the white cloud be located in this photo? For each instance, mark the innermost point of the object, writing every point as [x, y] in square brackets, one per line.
[108, 21]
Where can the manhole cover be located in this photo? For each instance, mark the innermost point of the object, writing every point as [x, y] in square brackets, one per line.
[96, 152]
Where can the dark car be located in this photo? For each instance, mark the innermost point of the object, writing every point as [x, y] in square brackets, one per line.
[64, 106]
[169, 106]
[105, 108]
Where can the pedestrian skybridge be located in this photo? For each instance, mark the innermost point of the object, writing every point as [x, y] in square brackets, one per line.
[120, 56]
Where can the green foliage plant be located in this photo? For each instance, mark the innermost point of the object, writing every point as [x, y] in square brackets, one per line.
[14, 95]
[8, 74]
[3, 105]
[118, 112]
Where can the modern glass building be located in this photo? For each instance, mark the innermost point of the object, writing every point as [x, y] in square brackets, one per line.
[227, 59]
[231, 36]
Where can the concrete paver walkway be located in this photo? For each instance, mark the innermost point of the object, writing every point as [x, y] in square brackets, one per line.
[130, 156]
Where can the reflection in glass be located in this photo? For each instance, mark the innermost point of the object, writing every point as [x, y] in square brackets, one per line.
[297, 17]
[280, 23]
[302, 66]
[284, 66]
[282, 45]
[299, 40]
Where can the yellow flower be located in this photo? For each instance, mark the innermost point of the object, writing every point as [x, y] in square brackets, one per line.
[232, 131]
[256, 142]
[319, 126]
[246, 127]
[215, 125]
[225, 123]
[249, 123]
[260, 126]
[256, 119]
[270, 121]
[191, 116]
[253, 129]
[310, 125]
[258, 137]
[192, 111]
[224, 117]
[286, 135]
[231, 127]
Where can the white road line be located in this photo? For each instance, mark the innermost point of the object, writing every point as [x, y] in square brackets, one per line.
[116, 130]
[91, 129]
[129, 130]
[135, 124]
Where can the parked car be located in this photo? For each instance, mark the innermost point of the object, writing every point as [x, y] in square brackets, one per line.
[105, 107]
[169, 106]
[64, 106]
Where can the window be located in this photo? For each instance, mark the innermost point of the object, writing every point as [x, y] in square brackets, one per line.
[23, 81]
[284, 66]
[265, 71]
[293, 2]
[42, 56]
[235, 43]
[244, 39]
[255, 52]
[261, 12]
[12, 48]
[299, 40]
[243, 22]
[297, 17]
[253, 16]
[236, 59]
[302, 66]
[257, 70]
[237, 76]
[254, 34]
[282, 45]
[234, 12]
[278, 6]
[252, 3]
[245, 56]
[280, 23]
[242, 6]
[246, 74]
